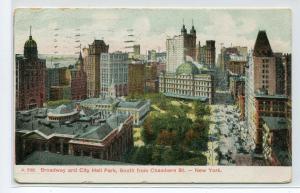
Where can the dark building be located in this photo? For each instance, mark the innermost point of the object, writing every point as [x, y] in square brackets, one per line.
[30, 77]
[136, 78]
[66, 132]
[206, 54]
[78, 81]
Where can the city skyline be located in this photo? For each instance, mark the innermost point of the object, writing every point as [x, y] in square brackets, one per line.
[150, 27]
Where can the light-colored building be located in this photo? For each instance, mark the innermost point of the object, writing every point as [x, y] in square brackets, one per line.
[138, 109]
[91, 60]
[114, 74]
[187, 83]
[179, 47]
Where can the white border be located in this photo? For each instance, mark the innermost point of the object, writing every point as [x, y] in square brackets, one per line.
[6, 58]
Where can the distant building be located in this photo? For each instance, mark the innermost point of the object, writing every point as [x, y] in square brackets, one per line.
[52, 79]
[106, 140]
[30, 77]
[207, 54]
[136, 78]
[92, 64]
[151, 73]
[78, 81]
[114, 74]
[233, 59]
[60, 92]
[261, 98]
[179, 47]
[187, 83]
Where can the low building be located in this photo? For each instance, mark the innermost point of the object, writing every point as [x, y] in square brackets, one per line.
[276, 141]
[62, 113]
[138, 109]
[187, 83]
[105, 105]
[106, 140]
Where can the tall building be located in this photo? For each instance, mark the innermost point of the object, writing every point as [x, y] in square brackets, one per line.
[206, 54]
[114, 74]
[78, 81]
[179, 47]
[92, 66]
[136, 78]
[30, 77]
[261, 99]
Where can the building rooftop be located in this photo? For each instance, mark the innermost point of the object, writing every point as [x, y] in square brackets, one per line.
[262, 47]
[131, 104]
[27, 122]
[48, 158]
[275, 123]
[187, 68]
[264, 95]
[106, 100]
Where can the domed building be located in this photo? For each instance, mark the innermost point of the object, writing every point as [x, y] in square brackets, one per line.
[30, 77]
[187, 83]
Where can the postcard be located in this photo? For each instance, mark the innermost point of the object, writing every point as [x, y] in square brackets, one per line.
[152, 95]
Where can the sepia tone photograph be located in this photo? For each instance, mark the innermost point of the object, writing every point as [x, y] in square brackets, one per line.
[153, 87]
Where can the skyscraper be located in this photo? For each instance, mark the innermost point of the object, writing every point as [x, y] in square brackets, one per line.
[92, 66]
[261, 99]
[179, 47]
[30, 77]
[114, 73]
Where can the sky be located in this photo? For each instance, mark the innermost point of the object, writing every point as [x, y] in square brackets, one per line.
[151, 27]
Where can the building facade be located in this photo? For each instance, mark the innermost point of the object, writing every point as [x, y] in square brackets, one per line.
[114, 74]
[179, 47]
[78, 81]
[206, 54]
[107, 140]
[261, 98]
[30, 78]
[187, 83]
[92, 66]
[136, 78]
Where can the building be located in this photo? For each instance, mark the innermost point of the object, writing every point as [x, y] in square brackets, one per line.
[104, 105]
[136, 78]
[261, 98]
[62, 114]
[109, 139]
[78, 81]
[207, 54]
[187, 83]
[151, 76]
[52, 79]
[138, 109]
[92, 64]
[236, 64]
[231, 57]
[30, 77]
[279, 73]
[276, 141]
[60, 92]
[114, 74]
[179, 47]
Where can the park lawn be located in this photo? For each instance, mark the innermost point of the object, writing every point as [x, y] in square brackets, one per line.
[137, 137]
